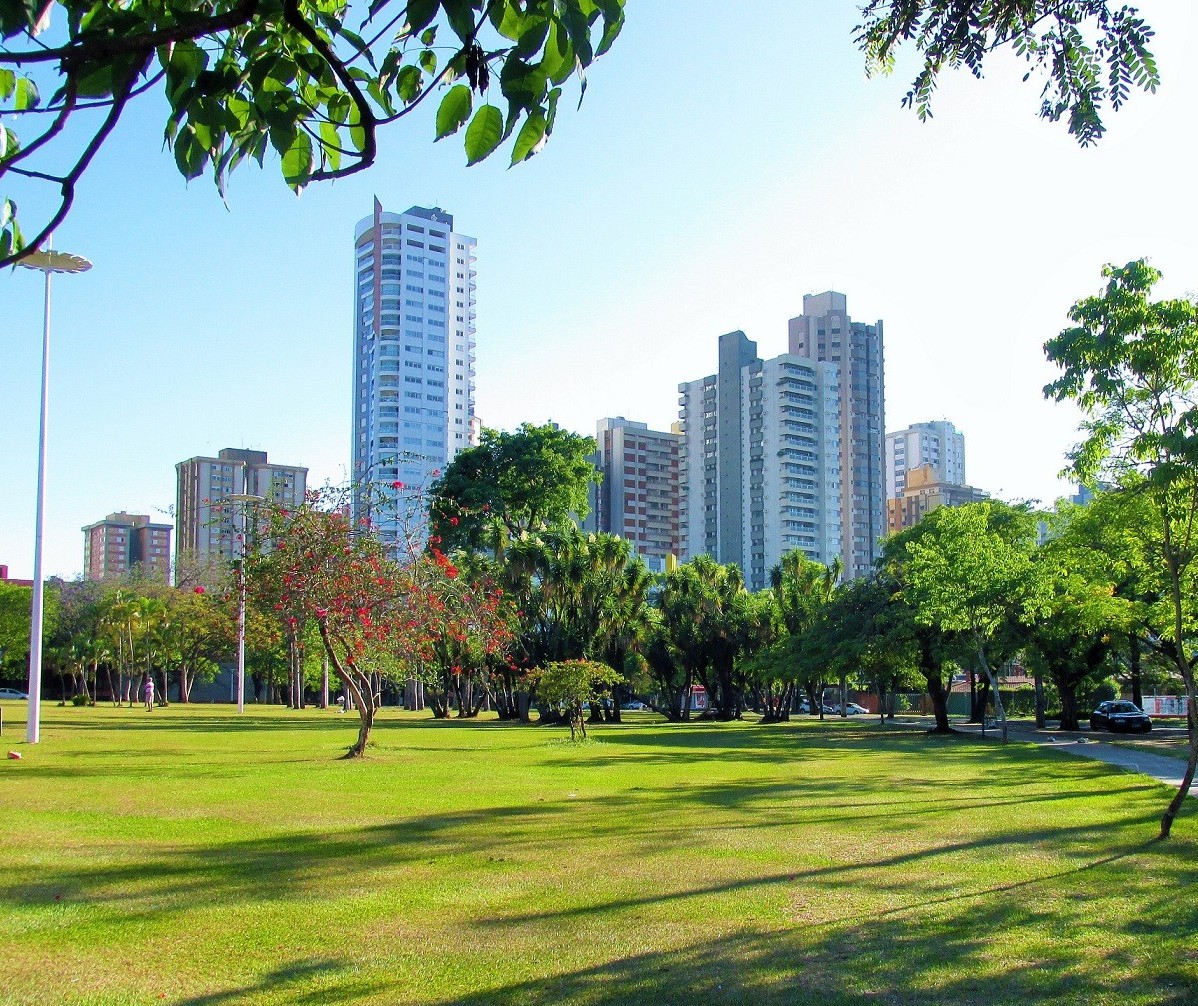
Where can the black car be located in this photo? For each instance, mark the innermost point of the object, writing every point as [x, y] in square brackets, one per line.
[1120, 715]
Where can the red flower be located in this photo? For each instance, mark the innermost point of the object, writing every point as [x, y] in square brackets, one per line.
[453, 521]
[199, 590]
[396, 485]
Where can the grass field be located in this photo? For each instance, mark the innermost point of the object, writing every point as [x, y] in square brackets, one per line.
[191, 857]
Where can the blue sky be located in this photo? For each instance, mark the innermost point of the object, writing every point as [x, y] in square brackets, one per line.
[715, 173]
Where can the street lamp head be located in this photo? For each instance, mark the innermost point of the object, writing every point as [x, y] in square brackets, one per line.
[55, 261]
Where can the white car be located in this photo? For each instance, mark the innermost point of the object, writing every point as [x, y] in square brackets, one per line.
[852, 709]
[12, 693]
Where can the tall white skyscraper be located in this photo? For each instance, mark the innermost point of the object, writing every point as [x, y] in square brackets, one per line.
[936, 443]
[414, 310]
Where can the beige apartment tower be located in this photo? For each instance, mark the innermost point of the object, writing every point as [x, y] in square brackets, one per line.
[205, 528]
[123, 542]
[638, 496]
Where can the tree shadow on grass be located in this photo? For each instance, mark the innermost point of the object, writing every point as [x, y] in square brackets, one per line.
[312, 980]
[997, 946]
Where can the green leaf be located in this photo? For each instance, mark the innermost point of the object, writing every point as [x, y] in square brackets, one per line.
[454, 110]
[96, 81]
[7, 211]
[507, 19]
[428, 61]
[8, 80]
[428, 36]
[530, 139]
[533, 37]
[330, 141]
[26, 95]
[409, 83]
[460, 15]
[613, 21]
[189, 154]
[358, 43]
[297, 161]
[420, 14]
[483, 134]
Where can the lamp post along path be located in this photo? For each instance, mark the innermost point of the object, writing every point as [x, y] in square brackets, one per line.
[46, 262]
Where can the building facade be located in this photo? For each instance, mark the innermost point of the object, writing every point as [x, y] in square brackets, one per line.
[924, 492]
[936, 443]
[638, 497]
[825, 332]
[115, 545]
[207, 529]
[759, 471]
[413, 373]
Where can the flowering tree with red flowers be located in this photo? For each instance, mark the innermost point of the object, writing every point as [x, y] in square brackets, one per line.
[382, 609]
[469, 628]
[314, 566]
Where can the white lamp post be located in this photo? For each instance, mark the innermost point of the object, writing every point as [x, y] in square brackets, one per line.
[242, 498]
[47, 262]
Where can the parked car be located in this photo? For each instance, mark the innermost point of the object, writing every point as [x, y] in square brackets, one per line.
[12, 693]
[634, 704]
[1120, 714]
[852, 709]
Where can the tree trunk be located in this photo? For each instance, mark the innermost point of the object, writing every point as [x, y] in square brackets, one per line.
[1133, 661]
[1039, 698]
[998, 708]
[1192, 762]
[939, 699]
[1068, 706]
[324, 681]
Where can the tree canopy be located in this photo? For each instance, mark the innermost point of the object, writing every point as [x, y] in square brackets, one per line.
[531, 479]
[1132, 364]
[314, 81]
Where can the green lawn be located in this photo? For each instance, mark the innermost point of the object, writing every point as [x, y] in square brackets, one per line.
[189, 856]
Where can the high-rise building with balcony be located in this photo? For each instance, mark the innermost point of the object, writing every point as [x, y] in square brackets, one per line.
[122, 541]
[935, 443]
[413, 373]
[206, 528]
[638, 496]
[824, 331]
[759, 470]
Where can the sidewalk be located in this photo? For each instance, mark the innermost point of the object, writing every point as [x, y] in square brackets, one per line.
[1101, 747]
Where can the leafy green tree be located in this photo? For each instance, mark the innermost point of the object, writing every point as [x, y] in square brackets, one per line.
[970, 570]
[1084, 619]
[568, 684]
[1132, 364]
[535, 478]
[16, 603]
[578, 596]
[311, 80]
[861, 634]
[1089, 53]
[708, 618]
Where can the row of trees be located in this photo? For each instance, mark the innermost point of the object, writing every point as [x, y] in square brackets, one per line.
[103, 639]
[503, 585]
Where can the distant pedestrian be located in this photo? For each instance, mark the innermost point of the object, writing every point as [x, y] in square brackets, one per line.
[149, 693]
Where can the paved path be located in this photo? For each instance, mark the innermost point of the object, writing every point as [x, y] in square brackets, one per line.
[1102, 748]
